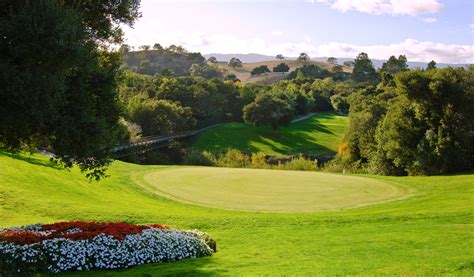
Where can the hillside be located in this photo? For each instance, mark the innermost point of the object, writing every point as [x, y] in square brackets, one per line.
[318, 135]
[255, 58]
[428, 233]
[243, 73]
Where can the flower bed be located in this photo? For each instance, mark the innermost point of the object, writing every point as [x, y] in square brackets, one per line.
[70, 246]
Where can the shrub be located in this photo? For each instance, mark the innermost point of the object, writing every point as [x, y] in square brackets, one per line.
[233, 158]
[299, 163]
[196, 157]
[258, 160]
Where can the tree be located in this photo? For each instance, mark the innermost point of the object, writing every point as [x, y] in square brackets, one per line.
[147, 67]
[283, 67]
[235, 62]
[58, 86]
[280, 57]
[394, 65]
[332, 60]
[431, 65]
[124, 48]
[348, 63]
[364, 70]
[158, 47]
[260, 70]
[303, 57]
[205, 71]
[212, 60]
[160, 117]
[145, 47]
[267, 109]
[232, 78]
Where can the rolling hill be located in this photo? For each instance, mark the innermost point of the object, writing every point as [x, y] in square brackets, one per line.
[319, 135]
[243, 73]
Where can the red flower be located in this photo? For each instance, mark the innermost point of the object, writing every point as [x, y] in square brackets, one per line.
[76, 230]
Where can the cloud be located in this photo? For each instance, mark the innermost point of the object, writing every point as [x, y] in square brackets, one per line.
[472, 27]
[393, 7]
[277, 33]
[430, 20]
[421, 51]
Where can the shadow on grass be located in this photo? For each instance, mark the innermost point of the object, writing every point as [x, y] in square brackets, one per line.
[31, 159]
[190, 267]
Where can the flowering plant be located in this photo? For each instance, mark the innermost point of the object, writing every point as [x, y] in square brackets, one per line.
[69, 246]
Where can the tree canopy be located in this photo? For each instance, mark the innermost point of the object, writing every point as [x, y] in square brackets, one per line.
[268, 109]
[260, 70]
[282, 67]
[58, 85]
[364, 70]
[303, 57]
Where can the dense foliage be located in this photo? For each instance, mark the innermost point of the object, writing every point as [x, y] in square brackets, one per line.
[422, 126]
[58, 84]
[173, 60]
[260, 70]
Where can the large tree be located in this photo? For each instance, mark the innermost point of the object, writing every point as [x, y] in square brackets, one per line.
[268, 109]
[364, 70]
[58, 84]
[235, 62]
[303, 57]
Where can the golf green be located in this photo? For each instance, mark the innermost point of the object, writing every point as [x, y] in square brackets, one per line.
[270, 190]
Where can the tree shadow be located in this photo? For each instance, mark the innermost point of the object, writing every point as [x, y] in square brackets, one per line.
[32, 159]
[205, 266]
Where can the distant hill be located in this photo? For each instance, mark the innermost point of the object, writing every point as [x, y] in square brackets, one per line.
[255, 58]
[243, 73]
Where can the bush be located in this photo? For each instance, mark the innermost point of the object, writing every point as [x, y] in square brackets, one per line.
[196, 157]
[299, 163]
[233, 158]
[258, 160]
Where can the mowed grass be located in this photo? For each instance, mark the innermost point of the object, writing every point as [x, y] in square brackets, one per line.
[318, 135]
[269, 190]
[428, 234]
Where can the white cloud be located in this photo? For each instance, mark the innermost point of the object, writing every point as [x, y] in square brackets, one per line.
[393, 7]
[472, 27]
[422, 51]
[277, 33]
[430, 20]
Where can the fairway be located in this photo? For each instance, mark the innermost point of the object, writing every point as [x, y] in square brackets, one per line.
[317, 135]
[270, 190]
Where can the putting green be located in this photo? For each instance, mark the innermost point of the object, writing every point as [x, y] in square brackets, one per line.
[269, 190]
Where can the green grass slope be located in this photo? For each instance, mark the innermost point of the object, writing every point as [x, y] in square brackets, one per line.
[318, 135]
[428, 234]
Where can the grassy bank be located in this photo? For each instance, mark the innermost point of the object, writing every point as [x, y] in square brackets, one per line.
[429, 233]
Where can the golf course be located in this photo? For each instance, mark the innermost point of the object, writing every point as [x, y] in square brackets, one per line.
[317, 135]
[342, 225]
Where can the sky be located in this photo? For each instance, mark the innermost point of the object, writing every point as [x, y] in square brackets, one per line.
[423, 30]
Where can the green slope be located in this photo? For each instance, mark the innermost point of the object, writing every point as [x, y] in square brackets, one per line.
[318, 135]
[430, 233]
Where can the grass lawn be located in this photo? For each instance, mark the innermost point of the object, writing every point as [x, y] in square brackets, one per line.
[318, 135]
[430, 233]
[269, 190]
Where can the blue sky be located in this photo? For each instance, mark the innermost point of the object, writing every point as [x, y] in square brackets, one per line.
[422, 29]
